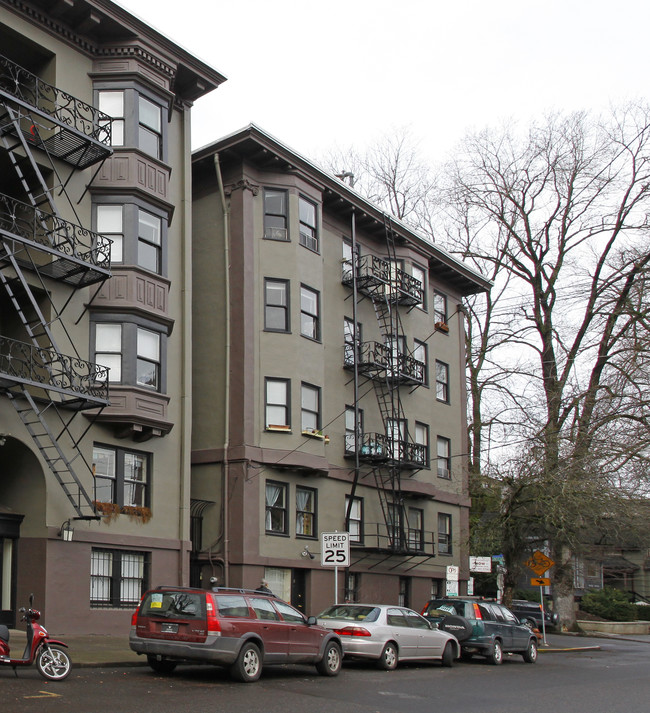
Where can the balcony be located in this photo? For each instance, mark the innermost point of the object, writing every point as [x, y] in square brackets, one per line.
[80, 384]
[378, 278]
[50, 119]
[378, 361]
[377, 449]
[61, 250]
[393, 539]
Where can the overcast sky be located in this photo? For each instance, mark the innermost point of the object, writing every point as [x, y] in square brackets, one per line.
[321, 75]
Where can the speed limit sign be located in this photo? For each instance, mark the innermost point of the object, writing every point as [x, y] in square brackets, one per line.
[335, 549]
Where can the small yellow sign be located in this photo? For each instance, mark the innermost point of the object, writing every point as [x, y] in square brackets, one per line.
[540, 582]
[539, 563]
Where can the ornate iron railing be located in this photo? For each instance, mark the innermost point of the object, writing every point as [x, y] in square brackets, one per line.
[47, 368]
[384, 361]
[380, 448]
[60, 106]
[376, 275]
[24, 221]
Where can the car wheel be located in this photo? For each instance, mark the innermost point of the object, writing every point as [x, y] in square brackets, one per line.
[448, 656]
[456, 625]
[530, 623]
[248, 666]
[495, 656]
[330, 664]
[388, 658]
[530, 654]
[160, 664]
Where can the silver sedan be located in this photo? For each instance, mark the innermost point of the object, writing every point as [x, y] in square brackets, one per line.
[388, 634]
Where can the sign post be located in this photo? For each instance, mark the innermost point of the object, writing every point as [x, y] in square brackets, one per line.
[540, 563]
[335, 552]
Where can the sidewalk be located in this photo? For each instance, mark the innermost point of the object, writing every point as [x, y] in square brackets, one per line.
[95, 650]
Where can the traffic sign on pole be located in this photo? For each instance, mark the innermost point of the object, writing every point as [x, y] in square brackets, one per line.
[335, 549]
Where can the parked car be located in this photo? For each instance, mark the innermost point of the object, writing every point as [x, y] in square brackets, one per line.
[483, 627]
[388, 634]
[240, 629]
[530, 613]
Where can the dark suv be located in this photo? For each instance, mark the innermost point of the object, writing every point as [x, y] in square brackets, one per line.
[483, 627]
[530, 613]
[237, 628]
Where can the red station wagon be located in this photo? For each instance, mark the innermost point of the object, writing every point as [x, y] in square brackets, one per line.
[241, 629]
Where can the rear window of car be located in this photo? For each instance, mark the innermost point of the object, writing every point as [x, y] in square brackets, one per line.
[176, 605]
[351, 613]
[232, 605]
[443, 607]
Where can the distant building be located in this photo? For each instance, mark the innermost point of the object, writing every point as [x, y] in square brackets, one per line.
[328, 385]
[95, 272]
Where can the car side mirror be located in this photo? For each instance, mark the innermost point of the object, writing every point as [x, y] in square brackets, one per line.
[311, 621]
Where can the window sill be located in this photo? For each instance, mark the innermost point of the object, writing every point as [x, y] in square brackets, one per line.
[315, 434]
[278, 429]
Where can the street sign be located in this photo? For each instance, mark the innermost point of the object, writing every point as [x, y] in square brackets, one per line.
[451, 589]
[452, 573]
[539, 563]
[480, 564]
[540, 582]
[335, 549]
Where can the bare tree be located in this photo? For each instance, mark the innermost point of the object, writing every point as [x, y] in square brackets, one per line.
[564, 211]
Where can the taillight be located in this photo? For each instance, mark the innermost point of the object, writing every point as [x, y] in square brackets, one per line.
[134, 618]
[353, 631]
[477, 611]
[211, 615]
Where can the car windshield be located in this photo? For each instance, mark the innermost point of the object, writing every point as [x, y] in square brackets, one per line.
[351, 612]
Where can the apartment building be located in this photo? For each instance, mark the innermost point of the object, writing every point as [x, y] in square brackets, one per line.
[328, 389]
[95, 311]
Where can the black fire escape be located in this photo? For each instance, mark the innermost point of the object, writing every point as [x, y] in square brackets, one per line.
[44, 133]
[387, 456]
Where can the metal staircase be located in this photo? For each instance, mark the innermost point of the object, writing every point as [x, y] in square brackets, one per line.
[41, 129]
[389, 367]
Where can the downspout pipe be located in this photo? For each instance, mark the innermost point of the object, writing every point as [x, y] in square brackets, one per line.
[225, 474]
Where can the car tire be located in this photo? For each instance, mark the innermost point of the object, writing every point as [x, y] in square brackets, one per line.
[456, 625]
[248, 665]
[530, 654]
[448, 656]
[389, 657]
[530, 623]
[161, 665]
[495, 657]
[330, 664]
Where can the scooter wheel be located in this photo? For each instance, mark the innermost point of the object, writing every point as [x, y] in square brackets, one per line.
[53, 663]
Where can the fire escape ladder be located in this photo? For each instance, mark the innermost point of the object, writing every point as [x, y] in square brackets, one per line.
[41, 125]
[48, 444]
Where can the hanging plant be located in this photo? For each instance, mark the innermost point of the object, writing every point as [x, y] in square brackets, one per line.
[137, 512]
[108, 511]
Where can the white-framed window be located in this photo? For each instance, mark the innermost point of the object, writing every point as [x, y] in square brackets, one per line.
[305, 511]
[308, 225]
[355, 523]
[415, 534]
[118, 578]
[110, 223]
[421, 275]
[444, 534]
[275, 214]
[148, 358]
[111, 102]
[277, 413]
[276, 507]
[309, 313]
[442, 382]
[108, 349]
[421, 439]
[420, 353]
[149, 241]
[149, 127]
[310, 408]
[444, 457]
[439, 307]
[349, 429]
[121, 476]
[276, 305]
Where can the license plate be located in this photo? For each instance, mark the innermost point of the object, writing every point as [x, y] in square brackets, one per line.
[169, 628]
